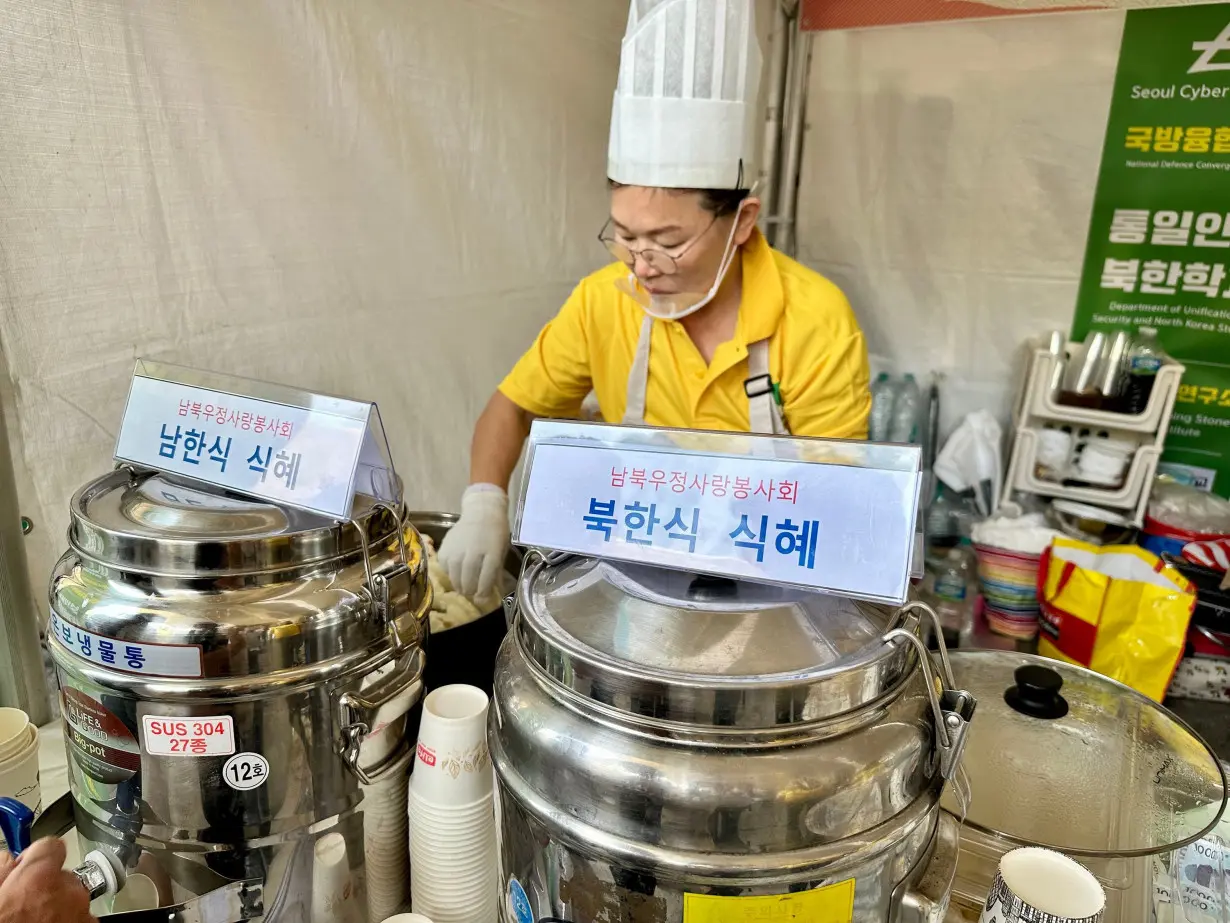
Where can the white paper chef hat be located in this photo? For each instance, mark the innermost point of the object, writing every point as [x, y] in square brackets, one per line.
[684, 114]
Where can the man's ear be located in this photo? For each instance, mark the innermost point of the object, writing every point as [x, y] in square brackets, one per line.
[748, 213]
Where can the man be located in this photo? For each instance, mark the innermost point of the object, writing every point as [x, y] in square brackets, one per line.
[700, 324]
[36, 889]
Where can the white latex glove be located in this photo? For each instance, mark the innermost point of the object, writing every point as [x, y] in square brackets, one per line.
[472, 553]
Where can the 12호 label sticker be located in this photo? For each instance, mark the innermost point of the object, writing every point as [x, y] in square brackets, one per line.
[100, 743]
[177, 735]
[245, 771]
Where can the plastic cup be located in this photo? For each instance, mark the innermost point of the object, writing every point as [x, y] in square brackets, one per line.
[15, 728]
[451, 763]
[407, 918]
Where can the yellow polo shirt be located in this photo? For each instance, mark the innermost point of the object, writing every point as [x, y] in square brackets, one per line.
[816, 353]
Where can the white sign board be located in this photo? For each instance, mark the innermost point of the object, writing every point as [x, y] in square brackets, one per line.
[307, 451]
[844, 528]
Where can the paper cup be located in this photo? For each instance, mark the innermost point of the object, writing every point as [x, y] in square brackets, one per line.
[19, 774]
[451, 763]
[1041, 886]
[139, 893]
[333, 892]
[418, 806]
[15, 731]
[453, 861]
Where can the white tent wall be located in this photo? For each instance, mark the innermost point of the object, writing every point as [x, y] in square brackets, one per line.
[947, 184]
[380, 199]
[386, 199]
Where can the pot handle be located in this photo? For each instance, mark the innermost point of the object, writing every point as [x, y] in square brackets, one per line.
[951, 708]
[926, 901]
[366, 713]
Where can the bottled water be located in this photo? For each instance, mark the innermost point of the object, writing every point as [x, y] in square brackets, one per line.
[906, 410]
[952, 595]
[883, 391]
[1143, 363]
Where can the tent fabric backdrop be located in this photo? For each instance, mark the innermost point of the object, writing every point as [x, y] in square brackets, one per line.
[379, 199]
[948, 180]
[387, 199]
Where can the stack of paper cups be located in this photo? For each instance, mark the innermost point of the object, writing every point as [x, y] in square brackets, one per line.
[19, 760]
[453, 876]
[385, 834]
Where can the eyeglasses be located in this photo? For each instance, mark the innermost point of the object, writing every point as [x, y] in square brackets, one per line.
[655, 258]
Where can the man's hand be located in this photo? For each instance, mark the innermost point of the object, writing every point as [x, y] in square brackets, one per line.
[35, 888]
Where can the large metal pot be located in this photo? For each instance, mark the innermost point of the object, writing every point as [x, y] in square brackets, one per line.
[235, 677]
[662, 740]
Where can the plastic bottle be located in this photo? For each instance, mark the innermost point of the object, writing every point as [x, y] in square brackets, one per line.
[951, 595]
[883, 394]
[906, 409]
[941, 525]
[1144, 360]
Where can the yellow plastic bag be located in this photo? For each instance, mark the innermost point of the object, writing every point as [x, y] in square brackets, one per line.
[1118, 610]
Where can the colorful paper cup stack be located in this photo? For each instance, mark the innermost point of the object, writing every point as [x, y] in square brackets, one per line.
[453, 876]
[1009, 581]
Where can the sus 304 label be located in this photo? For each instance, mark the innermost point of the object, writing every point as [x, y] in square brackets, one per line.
[187, 736]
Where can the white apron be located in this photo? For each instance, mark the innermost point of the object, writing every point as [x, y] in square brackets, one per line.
[764, 414]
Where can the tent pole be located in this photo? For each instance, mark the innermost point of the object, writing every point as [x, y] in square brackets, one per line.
[779, 65]
[800, 68]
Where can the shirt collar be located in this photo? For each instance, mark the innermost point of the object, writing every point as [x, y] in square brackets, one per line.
[763, 300]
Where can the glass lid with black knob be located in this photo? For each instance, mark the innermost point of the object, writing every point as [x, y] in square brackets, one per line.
[1066, 758]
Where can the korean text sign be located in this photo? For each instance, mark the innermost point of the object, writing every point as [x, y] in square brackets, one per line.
[843, 527]
[1158, 252]
[303, 456]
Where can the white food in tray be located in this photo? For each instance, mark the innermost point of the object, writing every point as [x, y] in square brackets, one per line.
[450, 609]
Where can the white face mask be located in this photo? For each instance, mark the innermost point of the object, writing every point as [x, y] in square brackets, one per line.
[682, 304]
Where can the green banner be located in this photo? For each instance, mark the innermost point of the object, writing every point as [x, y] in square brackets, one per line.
[1159, 240]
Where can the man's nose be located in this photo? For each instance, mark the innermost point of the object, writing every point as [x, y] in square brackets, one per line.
[642, 268]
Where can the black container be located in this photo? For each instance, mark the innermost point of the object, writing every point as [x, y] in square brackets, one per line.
[1212, 602]
[465, 654]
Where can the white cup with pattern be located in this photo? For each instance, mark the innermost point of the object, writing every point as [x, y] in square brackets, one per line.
[1036, 885]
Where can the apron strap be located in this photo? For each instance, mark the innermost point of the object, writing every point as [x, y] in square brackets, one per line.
[638, 378]
[763, 412]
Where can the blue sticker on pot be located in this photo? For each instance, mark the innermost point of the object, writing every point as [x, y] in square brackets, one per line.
[519, 903]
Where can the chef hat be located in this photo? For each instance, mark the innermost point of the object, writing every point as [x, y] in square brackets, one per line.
[684, 114]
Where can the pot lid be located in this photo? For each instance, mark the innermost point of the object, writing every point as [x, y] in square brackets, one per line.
[160, 525]
[702, 650]
[1062, 757]
[205, 584]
